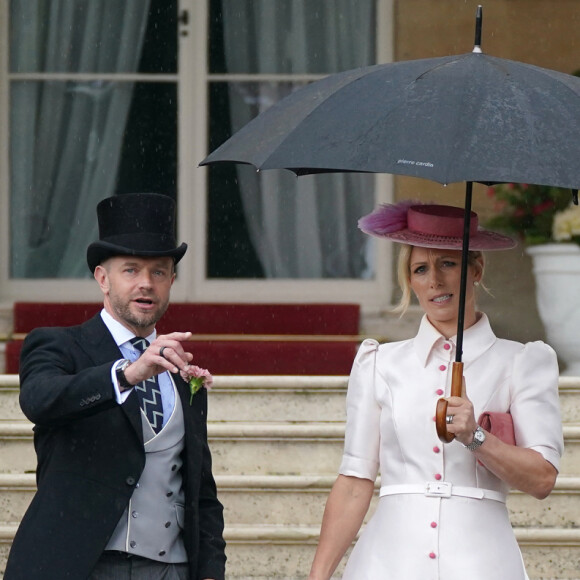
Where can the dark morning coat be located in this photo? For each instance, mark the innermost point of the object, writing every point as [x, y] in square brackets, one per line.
[90, 456]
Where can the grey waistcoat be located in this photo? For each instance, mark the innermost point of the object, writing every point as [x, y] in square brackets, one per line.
[151, 525]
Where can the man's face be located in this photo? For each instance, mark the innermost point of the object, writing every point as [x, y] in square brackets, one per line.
[136, 290]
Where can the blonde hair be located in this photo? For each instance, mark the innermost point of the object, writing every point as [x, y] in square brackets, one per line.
[475, 258]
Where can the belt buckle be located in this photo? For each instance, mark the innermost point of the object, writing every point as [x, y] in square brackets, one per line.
[438, 489]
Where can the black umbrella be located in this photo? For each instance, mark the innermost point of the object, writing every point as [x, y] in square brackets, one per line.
[469, 117]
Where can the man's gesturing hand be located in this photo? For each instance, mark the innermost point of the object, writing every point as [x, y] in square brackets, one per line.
[151, 362]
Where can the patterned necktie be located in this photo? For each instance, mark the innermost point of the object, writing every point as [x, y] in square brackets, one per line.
[148, 391]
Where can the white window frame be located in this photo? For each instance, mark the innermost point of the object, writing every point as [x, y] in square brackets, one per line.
[192, 284]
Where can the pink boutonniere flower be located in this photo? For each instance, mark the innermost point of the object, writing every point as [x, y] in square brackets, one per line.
[197, 378]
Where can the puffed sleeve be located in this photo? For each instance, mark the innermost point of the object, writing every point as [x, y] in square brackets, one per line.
[362, 439]
[535, 406]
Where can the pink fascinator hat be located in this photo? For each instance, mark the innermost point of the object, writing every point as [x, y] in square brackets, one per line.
[430, 226]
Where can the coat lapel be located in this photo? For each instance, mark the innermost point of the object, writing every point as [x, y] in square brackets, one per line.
[98, 343]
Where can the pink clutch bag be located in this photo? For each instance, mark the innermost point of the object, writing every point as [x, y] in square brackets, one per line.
[499, 424]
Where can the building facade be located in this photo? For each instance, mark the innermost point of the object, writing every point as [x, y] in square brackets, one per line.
[99, 97]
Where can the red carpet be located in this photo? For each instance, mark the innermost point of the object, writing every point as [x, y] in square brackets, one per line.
[238, 339]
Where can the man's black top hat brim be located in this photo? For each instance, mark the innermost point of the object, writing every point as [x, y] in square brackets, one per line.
[100, 251]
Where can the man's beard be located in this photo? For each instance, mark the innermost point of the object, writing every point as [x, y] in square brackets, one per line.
[123, 311]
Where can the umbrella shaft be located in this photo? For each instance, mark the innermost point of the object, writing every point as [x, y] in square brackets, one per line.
[464, 268]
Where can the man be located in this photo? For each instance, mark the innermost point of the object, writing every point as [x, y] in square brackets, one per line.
[125, 488]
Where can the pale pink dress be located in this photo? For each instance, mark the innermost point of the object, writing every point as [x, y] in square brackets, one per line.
[392, 394]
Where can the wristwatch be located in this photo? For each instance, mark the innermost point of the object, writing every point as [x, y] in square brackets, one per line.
[478, 439]
[124, 384]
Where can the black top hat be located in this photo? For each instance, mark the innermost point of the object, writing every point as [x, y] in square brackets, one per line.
[135, 224]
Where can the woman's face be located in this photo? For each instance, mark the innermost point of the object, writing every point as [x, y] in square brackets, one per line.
[434, 278]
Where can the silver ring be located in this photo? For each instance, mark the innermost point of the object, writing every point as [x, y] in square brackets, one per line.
[449, 419]
[161, 351]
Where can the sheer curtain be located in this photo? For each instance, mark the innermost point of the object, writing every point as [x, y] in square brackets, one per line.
[66, 136]
[306, 227]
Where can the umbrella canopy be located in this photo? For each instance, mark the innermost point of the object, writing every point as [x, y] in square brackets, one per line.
[470, 117]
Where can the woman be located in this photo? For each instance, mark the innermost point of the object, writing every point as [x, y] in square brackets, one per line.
[441, 512]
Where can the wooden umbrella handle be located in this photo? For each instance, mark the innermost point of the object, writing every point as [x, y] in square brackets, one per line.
[441, 410]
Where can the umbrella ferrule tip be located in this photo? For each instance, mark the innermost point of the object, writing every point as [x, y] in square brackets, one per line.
[477, 49]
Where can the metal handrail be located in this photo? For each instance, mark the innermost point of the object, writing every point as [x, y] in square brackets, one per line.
[256, 382]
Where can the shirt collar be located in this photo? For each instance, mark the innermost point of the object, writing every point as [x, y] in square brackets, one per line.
[476, 339]
[120, 333]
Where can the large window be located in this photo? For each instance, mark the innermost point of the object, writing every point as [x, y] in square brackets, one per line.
[88, 118]
[261, 51]
[106, 97]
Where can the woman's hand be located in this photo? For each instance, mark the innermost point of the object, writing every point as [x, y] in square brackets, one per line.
[464, 423]
[521, 468]
[344, 513]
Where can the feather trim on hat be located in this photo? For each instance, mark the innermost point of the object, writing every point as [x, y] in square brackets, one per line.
[387, 218]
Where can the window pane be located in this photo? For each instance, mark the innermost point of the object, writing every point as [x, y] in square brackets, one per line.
[73, 143]
[280, 226]
[292, 36]
[93, 36]
[66, 155]
[272, 224]
[230, 253]
[160, 46]
[149, 153]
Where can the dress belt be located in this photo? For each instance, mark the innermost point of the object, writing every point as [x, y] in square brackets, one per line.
[442, 489]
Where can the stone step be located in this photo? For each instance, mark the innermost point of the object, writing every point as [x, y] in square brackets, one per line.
[277, 443]
[300, 500]
[242, 398]
[569, 389]
[286, 552]
[280, 398]
[256, 448]
[16, 448]
[240, 448]
[9, 406]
